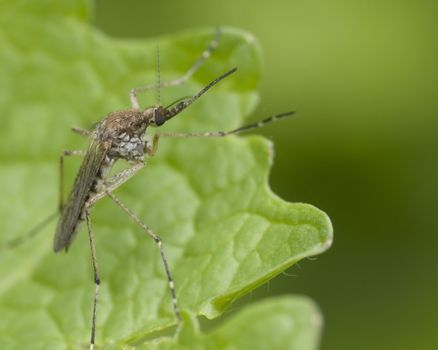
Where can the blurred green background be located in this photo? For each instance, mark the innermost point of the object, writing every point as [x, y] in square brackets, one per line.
[363, 77]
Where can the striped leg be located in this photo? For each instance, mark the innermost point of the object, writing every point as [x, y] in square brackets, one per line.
[114, 182]
[82, 132]
[40, 226]
[255, 125]
[181, 80]
[15, 242]
[96, 275]
[158, 241]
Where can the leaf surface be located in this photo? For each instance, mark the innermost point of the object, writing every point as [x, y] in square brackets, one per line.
[224, 231]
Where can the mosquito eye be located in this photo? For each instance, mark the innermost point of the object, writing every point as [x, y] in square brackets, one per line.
[159, 118]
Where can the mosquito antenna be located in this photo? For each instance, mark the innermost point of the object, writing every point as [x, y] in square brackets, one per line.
[187, 102]
[158, 75]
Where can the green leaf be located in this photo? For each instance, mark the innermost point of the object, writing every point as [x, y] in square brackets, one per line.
[224, 232]
[283, 323]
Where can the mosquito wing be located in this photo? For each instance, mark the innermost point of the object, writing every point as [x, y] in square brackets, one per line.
[73, 208]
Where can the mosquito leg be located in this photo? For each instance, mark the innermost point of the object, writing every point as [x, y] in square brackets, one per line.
[112, 183]
[13, 243]
[151, 150]
[255, 125]
[158, 241]
[35, 230]
[115, 181]
[80, 131]
[181, 80]
[65, 153]
[96, 274]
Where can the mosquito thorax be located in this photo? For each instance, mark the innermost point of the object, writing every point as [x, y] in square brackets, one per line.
[125, 131]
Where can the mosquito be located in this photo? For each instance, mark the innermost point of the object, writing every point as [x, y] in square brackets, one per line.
[122, 135]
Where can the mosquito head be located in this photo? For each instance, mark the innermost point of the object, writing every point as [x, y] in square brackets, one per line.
[156, 116]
